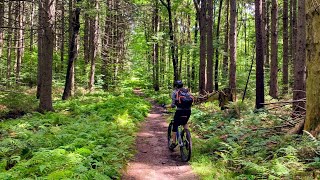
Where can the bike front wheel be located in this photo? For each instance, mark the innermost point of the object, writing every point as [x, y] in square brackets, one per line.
[185, 150]
[169, 134]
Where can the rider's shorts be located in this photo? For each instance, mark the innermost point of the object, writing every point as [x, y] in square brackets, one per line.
[181, 117]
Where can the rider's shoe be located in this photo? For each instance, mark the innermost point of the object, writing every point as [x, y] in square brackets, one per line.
[172, 146]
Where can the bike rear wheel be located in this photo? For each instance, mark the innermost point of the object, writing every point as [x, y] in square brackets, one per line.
[169, 134]
[186, 149]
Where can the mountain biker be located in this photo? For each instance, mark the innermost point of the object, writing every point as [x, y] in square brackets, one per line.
[180, 112]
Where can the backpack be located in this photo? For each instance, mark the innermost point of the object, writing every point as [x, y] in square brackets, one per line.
[184, 99]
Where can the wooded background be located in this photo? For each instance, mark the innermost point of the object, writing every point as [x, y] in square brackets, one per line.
[208, 44]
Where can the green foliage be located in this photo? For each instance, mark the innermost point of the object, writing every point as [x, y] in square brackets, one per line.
[88, 137]
[248, 148]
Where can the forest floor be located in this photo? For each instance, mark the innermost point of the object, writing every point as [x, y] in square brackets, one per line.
[153, 159]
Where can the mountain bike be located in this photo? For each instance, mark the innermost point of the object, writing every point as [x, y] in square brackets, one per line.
[183, 139]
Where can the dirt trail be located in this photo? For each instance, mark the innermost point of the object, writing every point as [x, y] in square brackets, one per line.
[153, 159]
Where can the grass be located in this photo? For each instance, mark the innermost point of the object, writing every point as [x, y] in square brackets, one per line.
[88, 137]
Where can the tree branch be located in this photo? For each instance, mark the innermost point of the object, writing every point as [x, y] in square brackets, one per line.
[196, 5]
[163, 3]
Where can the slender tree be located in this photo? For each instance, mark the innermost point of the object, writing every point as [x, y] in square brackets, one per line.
[1, 25]
[285, 76]
[209, 31]
[93, 44]
[299, 65]
[226, 42]
[274, 51]
[201, 10]
[174, 58]
[156, 49]
[233, 47]
[73, 51]
[259, 55]
[216, 72]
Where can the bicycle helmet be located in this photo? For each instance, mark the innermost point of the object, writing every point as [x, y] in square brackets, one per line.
[178, 84]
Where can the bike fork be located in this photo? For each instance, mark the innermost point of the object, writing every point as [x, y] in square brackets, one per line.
[179, 139]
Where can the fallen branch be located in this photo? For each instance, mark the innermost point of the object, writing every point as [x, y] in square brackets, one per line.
[298, 128]
[280, 102]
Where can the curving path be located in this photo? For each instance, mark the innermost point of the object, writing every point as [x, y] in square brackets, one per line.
[153, 159]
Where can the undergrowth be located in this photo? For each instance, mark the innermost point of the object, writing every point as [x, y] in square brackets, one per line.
[249, 147]
[243, 143]
[88, 137]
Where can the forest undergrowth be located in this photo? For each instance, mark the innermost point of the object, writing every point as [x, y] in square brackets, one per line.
[241, 143]
[88, 137]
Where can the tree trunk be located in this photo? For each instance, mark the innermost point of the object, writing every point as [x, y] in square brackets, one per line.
[233, 48]
[93, 45]
[203, 47]
[31, 26]
[172, 45]
[189, 77]
[267, 35]
[9, 42]
[40, 47]
[62, 35]
[285, 76]
[194, 52]
[86, 36]
[216, 72]
[106, 60]
[1, 25]
[294, 37]
[300, 62]
[156, 48]
[20, 41]
[259, 55]
[73, 52]
[209, 31]
[274, 51]
[47, 11]
[312, 123]
[226, 42]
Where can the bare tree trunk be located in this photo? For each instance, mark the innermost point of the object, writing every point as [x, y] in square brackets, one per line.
[300, 61]
[31, 26]
[274, 51]
[226, 42]
[216, 72]
[194, 53]
[47, 11]
[209, 30]
[106, 60]
[189, 77]
[156, 49]
[62, 35]
[233, 48]
[1, 25]
[73, 52]
[20, 43]
[93, 45]
[171, 34]
[202, 11]
[86, 30]
[285, 76]
[267, 35]
[9, 42]
[40, 47]
[294, 37]
[312, 123]
[259, 55]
